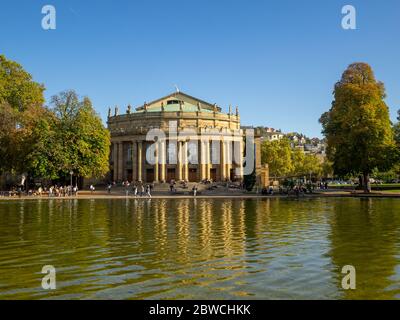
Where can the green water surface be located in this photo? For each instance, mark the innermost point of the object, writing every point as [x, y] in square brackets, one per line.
[200, 249]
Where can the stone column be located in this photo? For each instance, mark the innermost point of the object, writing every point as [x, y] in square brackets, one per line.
[139, 163]
[115, 161]
[185, 161]
[156, 165]
[134, 160]
[228, 159]
[120, 161]
[179, 160]
[208, 159]
[162, 160]
[222, 160]
[240, 164]
[203, 159]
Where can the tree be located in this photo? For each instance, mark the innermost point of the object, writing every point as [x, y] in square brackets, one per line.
[8, 137]
[306, 164]
[43, 152]
[19, 97]
[284, 161]
[357, 127]
[17, 89]
[278, 156]
[84, 141]
[397, 129]
[47, 143]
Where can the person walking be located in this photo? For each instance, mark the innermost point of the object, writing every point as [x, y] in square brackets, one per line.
[109, 188]
[127, 184]
[148, 191]
[194, 189]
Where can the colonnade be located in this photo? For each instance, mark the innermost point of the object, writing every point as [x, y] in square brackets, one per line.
[221, 156]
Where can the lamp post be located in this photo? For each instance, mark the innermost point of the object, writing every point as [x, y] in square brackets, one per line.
[71, 173]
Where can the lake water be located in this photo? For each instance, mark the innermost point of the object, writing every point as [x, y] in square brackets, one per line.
[200, 249]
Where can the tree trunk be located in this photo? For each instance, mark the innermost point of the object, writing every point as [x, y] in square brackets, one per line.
[366, 184]
[360, 182]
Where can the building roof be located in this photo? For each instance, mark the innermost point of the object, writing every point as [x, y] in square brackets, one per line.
[175, 107]
[173, 102]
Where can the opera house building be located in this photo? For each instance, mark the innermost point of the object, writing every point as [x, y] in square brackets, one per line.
[177, 137]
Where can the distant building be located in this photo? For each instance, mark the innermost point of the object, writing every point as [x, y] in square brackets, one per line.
[273, 136]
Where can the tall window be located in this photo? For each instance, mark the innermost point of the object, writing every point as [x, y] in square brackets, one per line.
[193, 152]
[129, 153]
[172, 153]
[215, 151]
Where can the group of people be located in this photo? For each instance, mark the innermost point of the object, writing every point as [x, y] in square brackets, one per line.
[183, 185]
[52, 191]
[298, 188]
[323, 185]
[135, 189]
[60, 191]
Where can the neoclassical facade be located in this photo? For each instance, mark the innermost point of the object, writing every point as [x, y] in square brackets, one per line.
[176, 137]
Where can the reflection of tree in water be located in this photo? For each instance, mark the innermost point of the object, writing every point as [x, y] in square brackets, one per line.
[366, 238]
[282, 219]
[155, 246]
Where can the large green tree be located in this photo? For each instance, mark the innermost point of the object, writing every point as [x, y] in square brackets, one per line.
[43, 149]
[397, 129]
[20, 97]
[47, 142]
[17, 89]
[357, 127]
[284, 161]
[306, 164]
[84, 142]
[277, 154]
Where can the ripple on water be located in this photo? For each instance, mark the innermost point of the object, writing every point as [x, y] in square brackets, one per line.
[208, 249]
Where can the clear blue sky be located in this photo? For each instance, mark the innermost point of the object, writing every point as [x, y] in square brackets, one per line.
[276, 60]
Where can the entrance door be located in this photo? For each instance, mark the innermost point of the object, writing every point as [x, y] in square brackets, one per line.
[232, 175]
[129, 175]
[149, 175]
[213, 174]
[192, 175]
[170, 174]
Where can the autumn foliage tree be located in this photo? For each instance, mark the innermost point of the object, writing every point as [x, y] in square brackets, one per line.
[277, 154]
[82, 140]
[357, 127]
[284, 161]
[21, 104]
[397, 129]
[46, 142]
